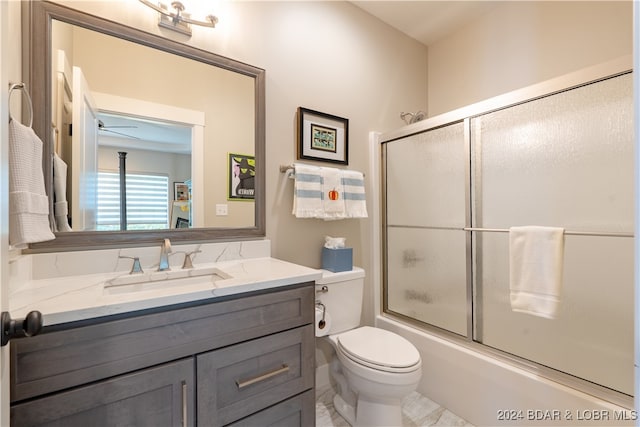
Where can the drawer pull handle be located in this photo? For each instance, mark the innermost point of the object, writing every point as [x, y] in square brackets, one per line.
[262, 377]
[184, 404]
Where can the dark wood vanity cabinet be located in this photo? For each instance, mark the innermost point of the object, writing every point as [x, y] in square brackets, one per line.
[246, 361]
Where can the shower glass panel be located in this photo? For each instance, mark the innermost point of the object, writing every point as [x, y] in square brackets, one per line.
[564, 161]
[426, 180]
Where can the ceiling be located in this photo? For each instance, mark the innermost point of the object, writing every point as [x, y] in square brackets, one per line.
[124, 131]
[426, 20]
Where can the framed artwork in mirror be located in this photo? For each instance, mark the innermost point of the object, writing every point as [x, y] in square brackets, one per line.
[180, 191]
[182, 222]
[323, 137]
[242, 177]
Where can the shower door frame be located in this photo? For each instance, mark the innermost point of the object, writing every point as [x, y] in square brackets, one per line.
[565, 83]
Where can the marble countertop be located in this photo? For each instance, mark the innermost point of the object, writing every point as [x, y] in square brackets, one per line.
[73, 298]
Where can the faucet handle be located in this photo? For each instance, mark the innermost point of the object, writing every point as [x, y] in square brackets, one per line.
[136, 268]
[187, 264]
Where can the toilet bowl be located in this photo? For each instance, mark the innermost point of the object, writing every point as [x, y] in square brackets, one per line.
[373, 368]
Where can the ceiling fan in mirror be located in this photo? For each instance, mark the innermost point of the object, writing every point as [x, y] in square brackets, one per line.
[104, 128]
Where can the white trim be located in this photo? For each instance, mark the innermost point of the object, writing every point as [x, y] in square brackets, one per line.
[136, 107]
[376, 221]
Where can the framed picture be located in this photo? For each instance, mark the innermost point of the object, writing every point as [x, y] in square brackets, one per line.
[182, 222]
[180, 191]
[242, 177]
[322, 137]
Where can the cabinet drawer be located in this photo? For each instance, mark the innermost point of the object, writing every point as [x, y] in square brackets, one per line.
[298, 411]
[57, 360]
[240, 380]
[159, 396]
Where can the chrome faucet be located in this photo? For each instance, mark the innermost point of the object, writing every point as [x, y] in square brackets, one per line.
[165, 250]
[136, 268]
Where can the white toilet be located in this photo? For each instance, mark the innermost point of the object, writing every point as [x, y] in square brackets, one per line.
[373, 368]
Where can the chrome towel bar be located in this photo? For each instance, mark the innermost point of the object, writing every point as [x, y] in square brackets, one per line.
[572, 233]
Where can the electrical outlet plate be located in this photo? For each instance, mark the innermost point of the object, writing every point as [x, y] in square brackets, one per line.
[221, 209]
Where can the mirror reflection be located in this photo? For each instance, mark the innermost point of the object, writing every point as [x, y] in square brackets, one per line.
[173, 132]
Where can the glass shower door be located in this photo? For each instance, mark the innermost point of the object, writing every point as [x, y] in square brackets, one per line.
[426, 209]
[563, 161]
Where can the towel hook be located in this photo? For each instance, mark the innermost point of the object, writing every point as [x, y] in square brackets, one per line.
[23, 88]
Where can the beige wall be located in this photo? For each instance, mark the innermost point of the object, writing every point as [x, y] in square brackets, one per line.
[521, 43]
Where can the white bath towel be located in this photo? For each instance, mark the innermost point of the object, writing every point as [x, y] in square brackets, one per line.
[535, 269]
[307, 192]
[61, 207]
[28, 202]
[332, 194]
[354, 194]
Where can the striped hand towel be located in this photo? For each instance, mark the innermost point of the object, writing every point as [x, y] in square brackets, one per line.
[332, 194]
[307, 192]
[354, 195]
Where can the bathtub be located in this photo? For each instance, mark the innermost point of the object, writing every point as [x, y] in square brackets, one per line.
[487, 391]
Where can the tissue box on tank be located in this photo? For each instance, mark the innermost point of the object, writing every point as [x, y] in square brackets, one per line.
[336, 260]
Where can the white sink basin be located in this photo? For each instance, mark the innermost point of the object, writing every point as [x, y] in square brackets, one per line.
[164, 279]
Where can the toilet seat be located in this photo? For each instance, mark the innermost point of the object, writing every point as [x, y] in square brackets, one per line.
[379, 349]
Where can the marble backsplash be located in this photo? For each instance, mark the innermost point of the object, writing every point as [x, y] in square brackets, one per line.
[24, 268]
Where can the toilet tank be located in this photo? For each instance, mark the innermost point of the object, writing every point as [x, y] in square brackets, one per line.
[342, 298]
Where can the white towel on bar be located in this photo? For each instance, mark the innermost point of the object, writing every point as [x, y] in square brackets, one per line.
[332, 194]
[354, 194]
[535, 269]
[28, 202]
[307, 192]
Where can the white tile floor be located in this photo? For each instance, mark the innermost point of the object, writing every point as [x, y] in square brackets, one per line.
[417, 410]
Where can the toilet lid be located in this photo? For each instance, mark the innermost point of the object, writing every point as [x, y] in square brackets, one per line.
[379, 349]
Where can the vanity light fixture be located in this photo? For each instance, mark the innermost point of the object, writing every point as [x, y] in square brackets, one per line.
[178, 20]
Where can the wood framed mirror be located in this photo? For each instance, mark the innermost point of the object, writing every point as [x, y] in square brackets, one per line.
[39, 19]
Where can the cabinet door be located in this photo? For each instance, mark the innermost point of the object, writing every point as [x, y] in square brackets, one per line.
[242, 379]
[154, 397]
[294, 412]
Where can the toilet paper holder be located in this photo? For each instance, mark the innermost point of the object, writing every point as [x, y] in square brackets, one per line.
[321, 323]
